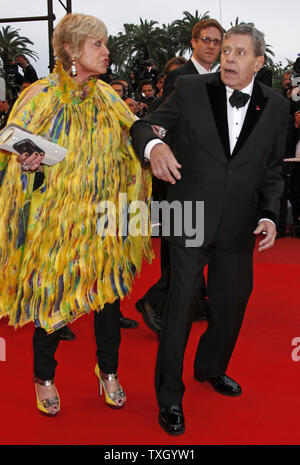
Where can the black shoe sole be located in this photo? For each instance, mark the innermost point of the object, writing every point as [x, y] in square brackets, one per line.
[140, 308]
[227, 393]
[171, 433]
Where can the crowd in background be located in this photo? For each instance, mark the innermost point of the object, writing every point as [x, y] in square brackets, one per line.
[144, 86]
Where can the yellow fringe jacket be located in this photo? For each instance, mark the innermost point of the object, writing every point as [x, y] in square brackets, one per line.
[57, 260]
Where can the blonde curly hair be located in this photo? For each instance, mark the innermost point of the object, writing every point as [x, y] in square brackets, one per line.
[73, 30]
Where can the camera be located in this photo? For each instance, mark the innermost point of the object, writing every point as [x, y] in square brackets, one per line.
[144, 69]
[139, 69]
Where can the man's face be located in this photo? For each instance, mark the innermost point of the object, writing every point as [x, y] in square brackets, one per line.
[160, 82]
[118, 88]
[238, 62]
[148, 90]
[21, 61]
[133, 105]
[286, 80]
[206, 54]
[125, 84]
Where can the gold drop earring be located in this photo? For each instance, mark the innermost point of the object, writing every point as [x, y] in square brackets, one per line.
[73, 69]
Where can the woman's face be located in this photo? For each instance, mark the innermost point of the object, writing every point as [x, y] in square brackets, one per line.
[93, 60]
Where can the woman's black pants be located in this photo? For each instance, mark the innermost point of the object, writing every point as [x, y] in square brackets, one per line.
[107, 335]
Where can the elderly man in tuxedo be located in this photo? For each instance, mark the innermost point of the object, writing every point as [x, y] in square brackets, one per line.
[227, 154]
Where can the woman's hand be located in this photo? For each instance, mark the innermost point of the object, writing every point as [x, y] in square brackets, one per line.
[30, 162]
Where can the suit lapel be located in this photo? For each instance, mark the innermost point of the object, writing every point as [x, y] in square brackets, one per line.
[217, 96]
[255, 109]
[189, 68]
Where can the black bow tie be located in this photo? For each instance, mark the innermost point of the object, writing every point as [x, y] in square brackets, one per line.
[238, 99]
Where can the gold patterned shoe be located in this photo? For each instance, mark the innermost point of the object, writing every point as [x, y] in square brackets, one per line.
[49, 407]
[115, 399]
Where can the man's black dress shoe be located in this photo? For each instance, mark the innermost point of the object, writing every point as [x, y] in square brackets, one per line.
[127, 323]
[223, 385]
[151, 319]
[171, 419]
[65, 334]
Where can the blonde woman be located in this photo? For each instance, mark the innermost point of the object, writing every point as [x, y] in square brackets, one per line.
[55, 263]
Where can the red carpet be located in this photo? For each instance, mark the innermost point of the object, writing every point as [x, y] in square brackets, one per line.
[266, 413]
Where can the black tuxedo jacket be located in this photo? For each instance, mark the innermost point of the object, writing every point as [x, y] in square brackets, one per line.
[237, 189]
[169, 84]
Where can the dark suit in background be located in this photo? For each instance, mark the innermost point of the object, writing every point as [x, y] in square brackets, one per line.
[169, 84]
[157, 293]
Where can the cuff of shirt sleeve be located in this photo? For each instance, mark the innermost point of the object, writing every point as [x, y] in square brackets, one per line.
[150, 146]
[267, 219]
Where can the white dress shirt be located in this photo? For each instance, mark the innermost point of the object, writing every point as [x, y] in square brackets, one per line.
[236, 116]
[199, 68]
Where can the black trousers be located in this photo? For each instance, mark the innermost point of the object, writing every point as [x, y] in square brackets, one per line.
[158, 292]
[229, 286]
[107, 335]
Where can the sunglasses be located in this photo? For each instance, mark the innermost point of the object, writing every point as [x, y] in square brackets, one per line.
[208, 40]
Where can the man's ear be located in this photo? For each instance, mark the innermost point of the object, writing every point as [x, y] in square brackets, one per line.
[193, 42]
[259, 63]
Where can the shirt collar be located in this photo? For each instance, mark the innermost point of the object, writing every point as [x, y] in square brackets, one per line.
[199, 68]
[247, 90]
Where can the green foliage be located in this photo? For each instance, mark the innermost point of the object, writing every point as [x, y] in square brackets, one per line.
[12, 44]
[277, 70]
[182, 29]
[237, 22]
[159, 43]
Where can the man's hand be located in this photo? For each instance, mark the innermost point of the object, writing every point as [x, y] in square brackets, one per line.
[268, 230]
[30, 162]
[163, 163]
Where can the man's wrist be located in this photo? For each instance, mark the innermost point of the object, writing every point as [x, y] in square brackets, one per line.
[149, 147]
[267, 219]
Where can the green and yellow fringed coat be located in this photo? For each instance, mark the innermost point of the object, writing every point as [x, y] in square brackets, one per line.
[57, 261]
